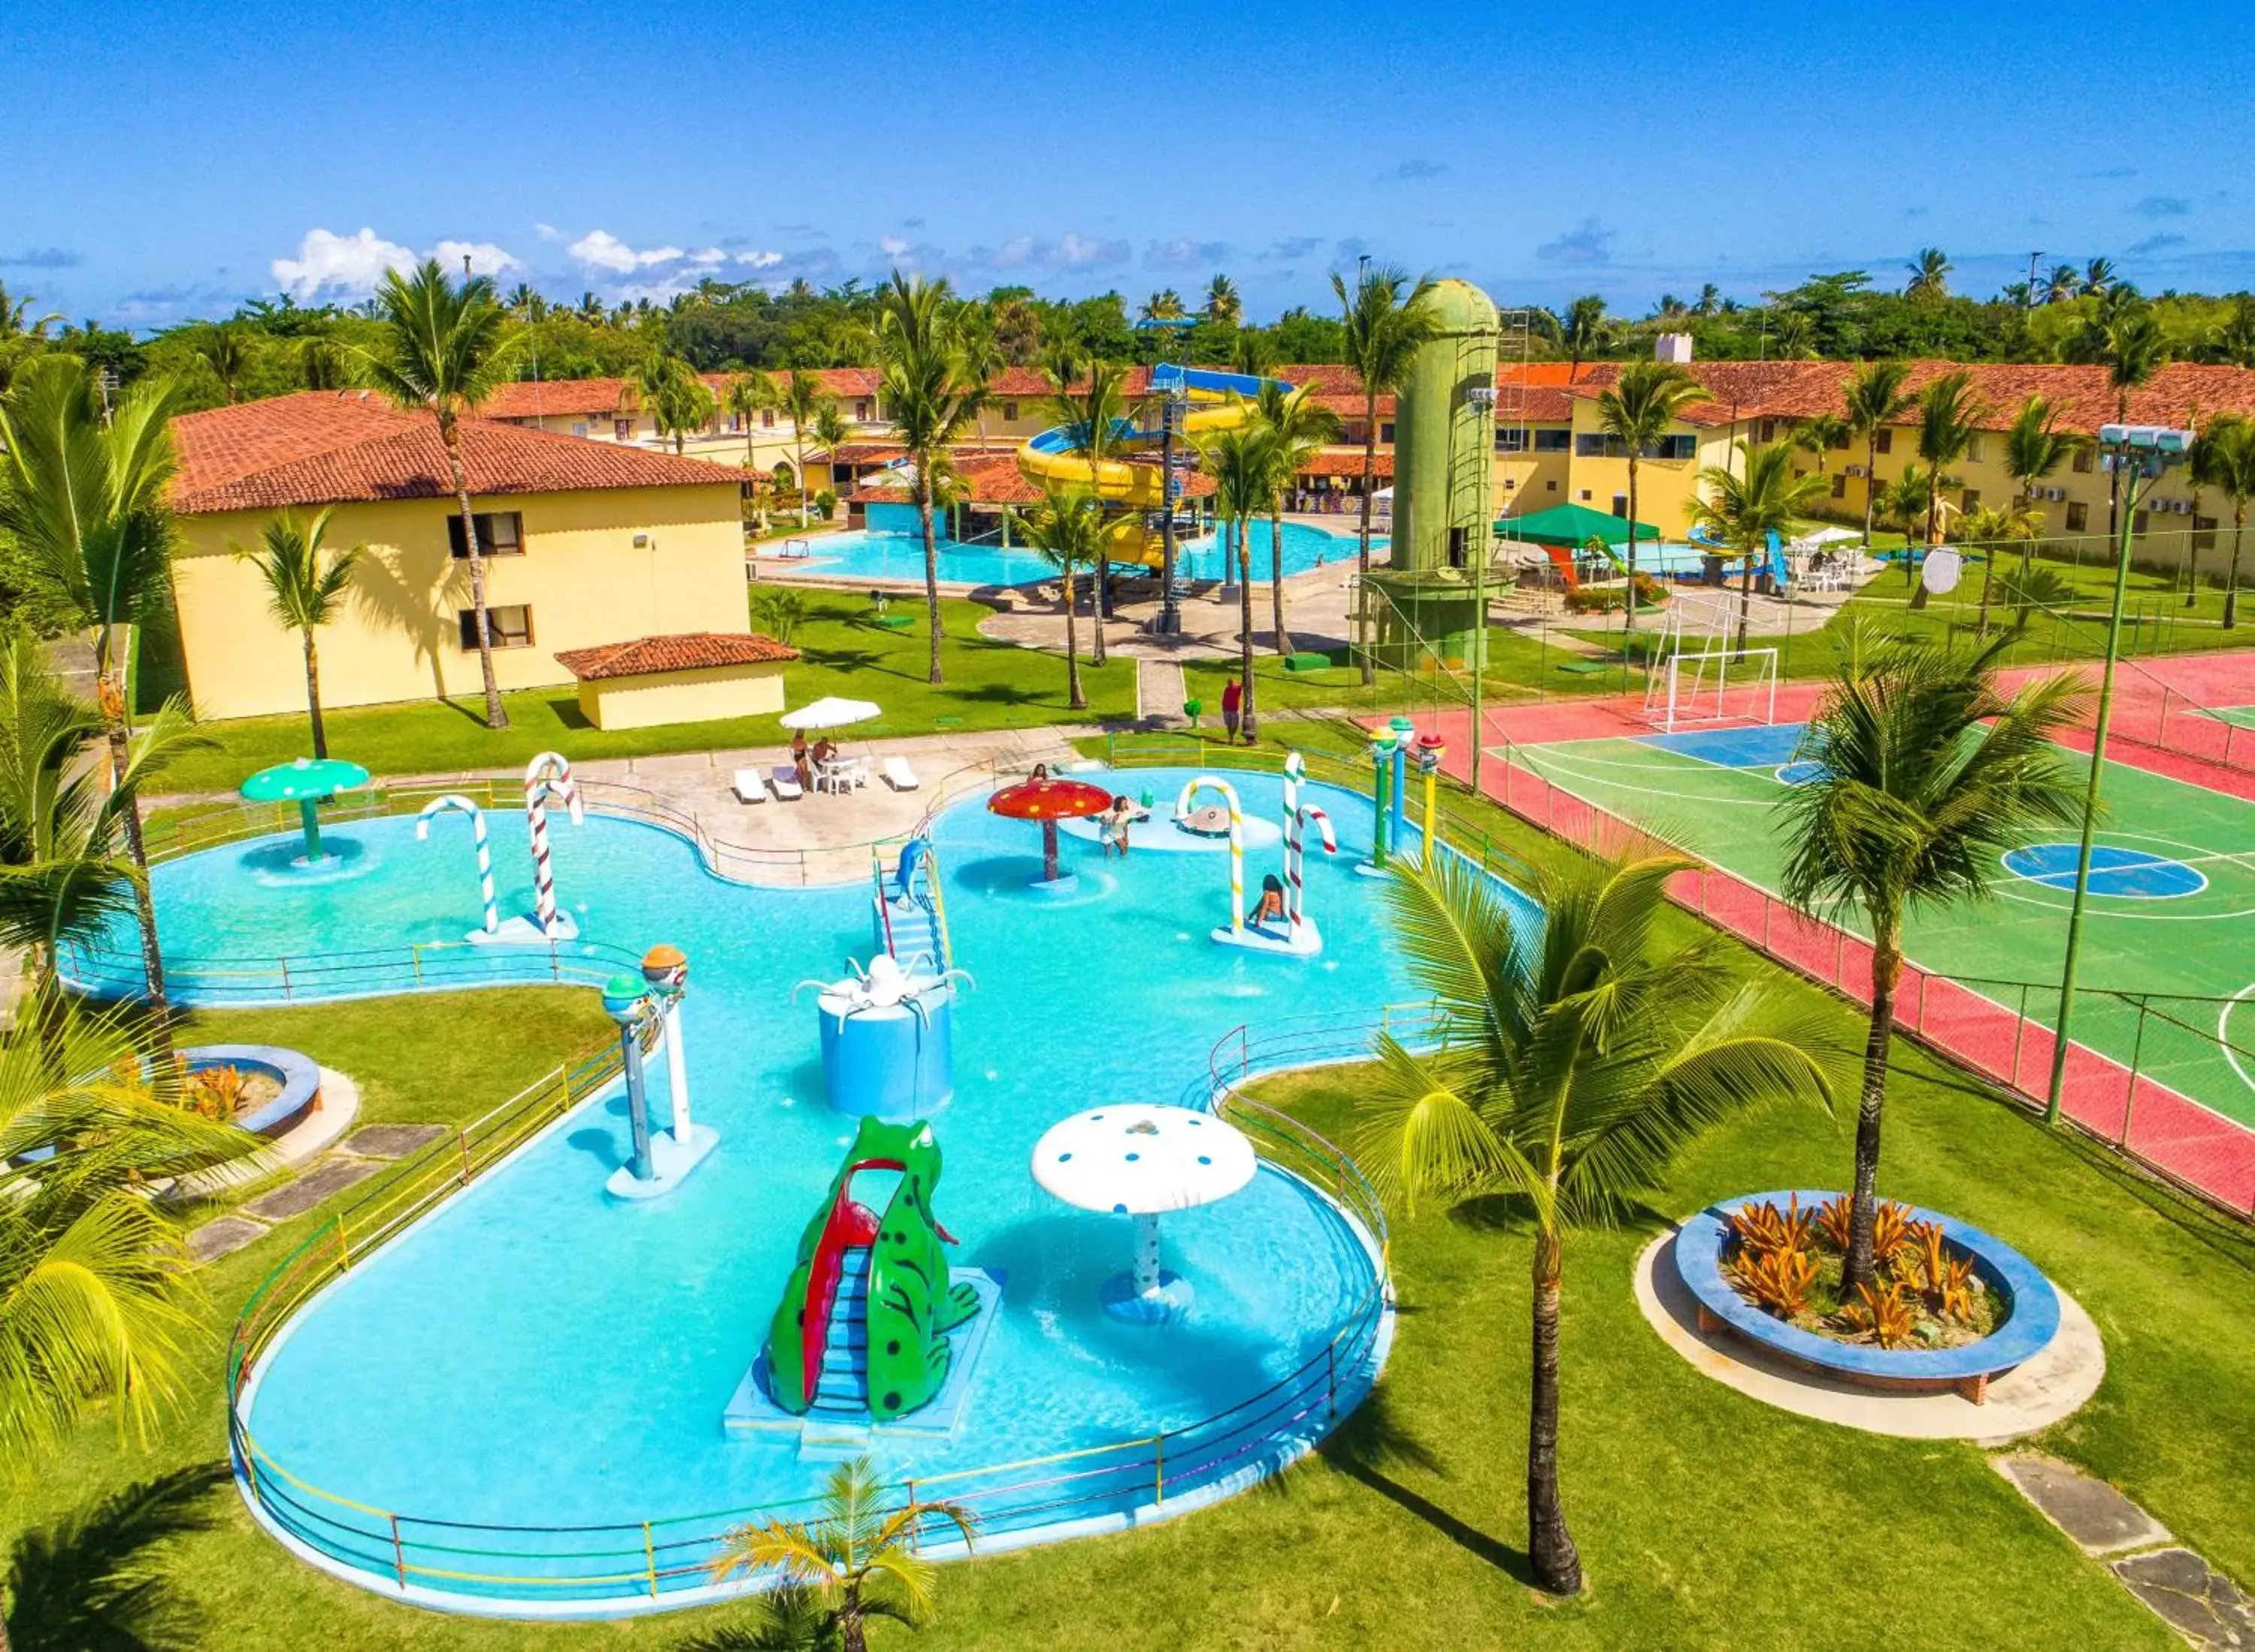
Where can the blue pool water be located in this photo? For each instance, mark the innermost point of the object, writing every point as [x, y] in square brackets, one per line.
[860, 554]
[536, 1354]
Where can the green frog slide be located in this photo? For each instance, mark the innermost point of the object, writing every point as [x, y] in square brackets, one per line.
[861, 1331]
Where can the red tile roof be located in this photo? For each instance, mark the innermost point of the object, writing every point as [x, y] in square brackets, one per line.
[322, 447]
[688, 651]
[1339, 462]
[576, 398]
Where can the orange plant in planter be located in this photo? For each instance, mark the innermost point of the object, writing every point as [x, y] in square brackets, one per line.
[215, 1093]
[1764, 1229]
[1891, 1226]
[1778, 1280]
[1883, 1314]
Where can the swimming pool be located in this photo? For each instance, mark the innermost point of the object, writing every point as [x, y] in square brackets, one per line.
[860, 554]
[535, 1355]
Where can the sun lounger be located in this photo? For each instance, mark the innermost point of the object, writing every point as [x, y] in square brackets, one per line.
[785, 781]
[898, 774]
[750, 786]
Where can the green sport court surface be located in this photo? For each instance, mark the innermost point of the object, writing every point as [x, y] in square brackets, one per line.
[2171, 911]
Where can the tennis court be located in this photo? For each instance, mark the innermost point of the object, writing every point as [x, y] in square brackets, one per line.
[2171, 892]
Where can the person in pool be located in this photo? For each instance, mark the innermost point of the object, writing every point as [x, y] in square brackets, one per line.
[1122, 814]
[1270, 907]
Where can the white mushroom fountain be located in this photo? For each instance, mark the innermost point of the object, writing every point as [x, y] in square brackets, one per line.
[1138, 1159]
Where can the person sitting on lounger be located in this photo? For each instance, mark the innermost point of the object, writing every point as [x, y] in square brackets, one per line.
[1270, 908]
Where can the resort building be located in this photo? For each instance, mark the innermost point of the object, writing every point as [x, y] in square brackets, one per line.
[586, 545]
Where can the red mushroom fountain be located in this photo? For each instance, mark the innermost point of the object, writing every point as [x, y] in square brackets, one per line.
[1044, 797]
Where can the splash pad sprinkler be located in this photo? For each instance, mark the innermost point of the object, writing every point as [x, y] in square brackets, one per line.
[306, 782]
[1048, 799]
[1141, 1160]
[648, 1010]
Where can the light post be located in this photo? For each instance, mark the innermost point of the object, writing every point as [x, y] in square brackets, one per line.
[2133, 452]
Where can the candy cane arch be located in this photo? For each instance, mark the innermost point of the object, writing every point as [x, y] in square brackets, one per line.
[1296, 817]
[548, 776]
[1183, 806]
[455, 802]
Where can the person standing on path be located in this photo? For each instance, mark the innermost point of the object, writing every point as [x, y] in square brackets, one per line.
[1232, 707]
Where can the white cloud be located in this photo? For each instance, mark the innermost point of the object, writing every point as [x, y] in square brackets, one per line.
[600, 249]
[547, 232]
[760, 260]
[327, 261]
[486, 259]
[892, 246]
[1080, 252]
[708, 256]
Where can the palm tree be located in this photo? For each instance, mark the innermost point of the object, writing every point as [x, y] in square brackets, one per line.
[1819, 436]
[831, 431]
[983, 360]
[1575, 1057]
[1950, 414]
[1223, 305]
[2224, 457]
[1584, 331]
[931, 403]
[444, 349]
[2063, 285]
[225, 349]
[1929, 274]
[1647, 398]
[679, 402]
[1710, 300]
[1913, 806]
[1299, 428]
[1068, 529]
[18, 322]
[1166, 305]
[2099, 278]
[2126, 339]
[859, 1559]
[2232, 340]
[62, 874]
[1990, 528]
[1388, 319]
[83, 498]
[802, 396]
[322, 364]
[1741, 505]
[1241, 461]
[749, 395]
[1095, 423]
[1873, 400]
[95, 1287]
[304, 589]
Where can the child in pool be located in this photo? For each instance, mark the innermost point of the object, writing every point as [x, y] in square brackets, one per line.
[1270, 908]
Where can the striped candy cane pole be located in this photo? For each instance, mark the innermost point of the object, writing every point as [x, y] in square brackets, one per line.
[1295, 766]
[1323, 824]
[459, 805]
[547, 776]
[1183, 806]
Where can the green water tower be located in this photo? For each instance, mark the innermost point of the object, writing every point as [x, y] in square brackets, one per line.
[1432, 598]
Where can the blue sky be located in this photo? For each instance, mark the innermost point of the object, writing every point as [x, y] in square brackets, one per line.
[168, 160]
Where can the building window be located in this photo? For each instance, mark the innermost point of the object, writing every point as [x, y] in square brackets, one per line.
[2078, 516]
[1971, 499]
[767, 418]
[1973, 450]
[1766, 430]
[1009, 412]
[2137, 522]
[2083, 461]
[1583, 495]
[1887, 443]
[1456, 547]
[1839, 487]
[623, 429]
[1589, 445]
[862, 412]
[1550, 486]
[1675, 447]
[508, 627]
[1554, 441]
[501, 533]
[1620, 504]
[1386, 432]
[1512, 441]
[579, 428]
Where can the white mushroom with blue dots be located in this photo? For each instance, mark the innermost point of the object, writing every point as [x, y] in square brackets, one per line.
[1139, 1159]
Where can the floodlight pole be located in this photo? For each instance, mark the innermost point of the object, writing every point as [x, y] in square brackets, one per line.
[2134, 448]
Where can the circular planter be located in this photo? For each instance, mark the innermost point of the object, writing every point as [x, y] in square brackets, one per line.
[298, 1075]
[2031, 1307]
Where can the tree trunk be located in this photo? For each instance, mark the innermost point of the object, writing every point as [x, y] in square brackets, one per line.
[1073, 695]
[1862, 1268]
[1746, 600]
[1988, 578]
[852, 1636]
[799, 451]
[111, 692]
[314, 697]
[1362, 540]
[2231, 577]
[1628, 603]
[930, 564]
[1871, 483]
[1549, 1546]
[495, 717]
[1245, 621]
[1276, 579]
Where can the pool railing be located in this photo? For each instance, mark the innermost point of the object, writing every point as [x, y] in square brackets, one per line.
[535, 1570]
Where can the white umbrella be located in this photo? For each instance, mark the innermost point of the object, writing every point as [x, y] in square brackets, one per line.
[830, 713]
[1138, 1159]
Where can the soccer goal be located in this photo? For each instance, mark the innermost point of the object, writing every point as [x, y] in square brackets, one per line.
[1714, 686]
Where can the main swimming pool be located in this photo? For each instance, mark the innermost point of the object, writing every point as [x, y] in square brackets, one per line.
[860, 554]
[534, 1355]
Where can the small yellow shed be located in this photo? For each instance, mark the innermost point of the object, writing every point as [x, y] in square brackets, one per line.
[695, 677]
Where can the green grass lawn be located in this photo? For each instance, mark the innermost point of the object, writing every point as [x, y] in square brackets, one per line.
[1705, 1518]
[1521, 665]
[990, 685]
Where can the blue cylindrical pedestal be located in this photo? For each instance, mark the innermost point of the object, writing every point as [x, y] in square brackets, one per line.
[888, 1062]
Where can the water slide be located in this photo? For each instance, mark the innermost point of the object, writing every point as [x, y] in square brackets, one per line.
[861, 1333]
[1219, 401]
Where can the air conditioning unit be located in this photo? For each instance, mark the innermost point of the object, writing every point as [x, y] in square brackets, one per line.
[1858, 470]
[2054, 494]
[2184, 507]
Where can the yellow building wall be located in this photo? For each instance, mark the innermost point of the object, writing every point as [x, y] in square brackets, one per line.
[683, 697]
[1533, 480]
[398, 638]
[1665, 487]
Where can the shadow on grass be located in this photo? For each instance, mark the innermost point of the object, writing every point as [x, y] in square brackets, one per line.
[788, 1619]
[89, 1582]
[1373, 1445]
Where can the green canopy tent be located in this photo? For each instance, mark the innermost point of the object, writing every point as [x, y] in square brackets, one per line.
[305, 782]
[1572, 526]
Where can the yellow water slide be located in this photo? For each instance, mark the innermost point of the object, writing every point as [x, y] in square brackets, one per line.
[1218, 401]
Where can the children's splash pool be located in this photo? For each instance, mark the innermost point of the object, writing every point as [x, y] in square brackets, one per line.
[861, 555]
[534, 1356]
